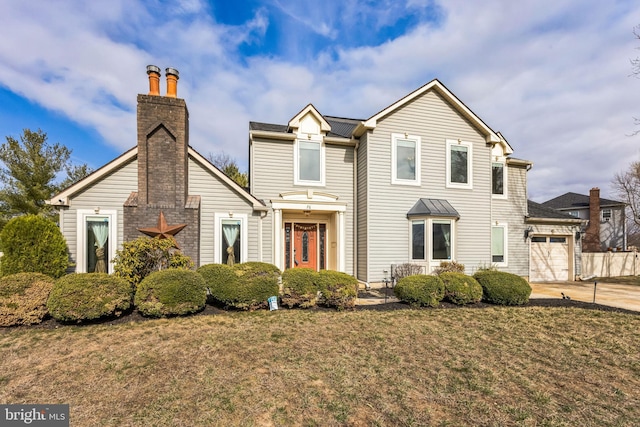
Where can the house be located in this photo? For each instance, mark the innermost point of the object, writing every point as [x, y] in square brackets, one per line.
[422, 181]
[607, 227]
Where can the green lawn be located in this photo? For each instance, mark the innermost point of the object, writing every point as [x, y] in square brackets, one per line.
[490, 367]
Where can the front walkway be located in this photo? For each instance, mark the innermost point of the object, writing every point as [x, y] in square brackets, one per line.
[613, 295]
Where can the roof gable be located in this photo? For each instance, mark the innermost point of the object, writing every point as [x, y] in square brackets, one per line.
[490, 135]
[62, 198]
[298, 121]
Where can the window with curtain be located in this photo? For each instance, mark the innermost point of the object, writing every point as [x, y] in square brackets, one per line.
[497, 179]
[231, 241]
[498, 245]
[309, 160]
[97, 250]
[417, 240]
[441, 240]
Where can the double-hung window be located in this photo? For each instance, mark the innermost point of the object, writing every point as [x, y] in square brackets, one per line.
[498, 180]
[405, 159]
[459, 164]
[432, 237]
[309, 162]
[606, 215]
[499, 244]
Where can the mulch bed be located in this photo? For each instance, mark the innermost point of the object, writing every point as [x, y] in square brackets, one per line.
[209, 310]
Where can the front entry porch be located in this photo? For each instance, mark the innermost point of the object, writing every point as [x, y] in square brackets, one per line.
[309, 231]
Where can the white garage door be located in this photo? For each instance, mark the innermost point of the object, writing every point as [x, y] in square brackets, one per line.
[549, 259]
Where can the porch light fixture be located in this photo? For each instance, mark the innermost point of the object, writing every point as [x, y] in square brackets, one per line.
[527, 232]
[306, 212]
[96, 210]
[578, 236]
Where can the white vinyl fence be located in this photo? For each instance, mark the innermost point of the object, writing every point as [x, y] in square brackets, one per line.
[610, 264]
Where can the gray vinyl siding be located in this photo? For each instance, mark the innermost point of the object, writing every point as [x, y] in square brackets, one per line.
[218, 197]
[363, 193]
[435, 121]
[512, 211]
[109, 193]
[272, 174]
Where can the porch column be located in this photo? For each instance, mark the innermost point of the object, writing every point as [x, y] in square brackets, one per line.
[342, 256]
[277, 239]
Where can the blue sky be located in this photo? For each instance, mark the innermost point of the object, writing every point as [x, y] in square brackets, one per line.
[552, 75]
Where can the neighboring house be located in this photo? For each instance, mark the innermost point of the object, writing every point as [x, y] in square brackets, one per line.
[607, 227]
[423, 181]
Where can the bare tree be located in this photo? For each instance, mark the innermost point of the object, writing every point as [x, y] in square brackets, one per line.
[228, 165]
[626, 186]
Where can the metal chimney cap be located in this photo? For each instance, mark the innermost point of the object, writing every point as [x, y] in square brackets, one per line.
[153, 69]
[172, 71]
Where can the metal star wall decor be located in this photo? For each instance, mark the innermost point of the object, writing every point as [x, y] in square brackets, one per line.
[163, 230]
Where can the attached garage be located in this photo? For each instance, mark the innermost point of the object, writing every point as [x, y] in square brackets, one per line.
[553, 247]
[549, 259]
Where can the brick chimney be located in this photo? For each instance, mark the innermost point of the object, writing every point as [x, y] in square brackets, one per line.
[163, 166]
[591, 242]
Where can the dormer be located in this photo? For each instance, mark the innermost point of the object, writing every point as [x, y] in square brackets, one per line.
[310, 129]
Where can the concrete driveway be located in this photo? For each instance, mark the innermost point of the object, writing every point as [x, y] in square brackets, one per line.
[614, 295]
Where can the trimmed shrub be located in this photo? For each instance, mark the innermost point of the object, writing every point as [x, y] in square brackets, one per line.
[33, 244]
[499, 287]
[172, 292]
[299, 287]
[420, 290]
[461, 289]
[89, 296]
[257, 281]
[449, 267]
[338, 289]
[23, 298]
[220, 280]
[142, 256]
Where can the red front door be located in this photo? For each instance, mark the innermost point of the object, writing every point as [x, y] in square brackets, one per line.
[305, 246]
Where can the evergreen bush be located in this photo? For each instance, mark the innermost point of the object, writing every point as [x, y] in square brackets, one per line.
[142, 256]
[420, 290]
[33, 244]
[499, 287]
[172, 292]
[299, 287]
[338, 289]
[89, 296]
[257, 281]
[461, 289]
[221, 280]
[23, 298]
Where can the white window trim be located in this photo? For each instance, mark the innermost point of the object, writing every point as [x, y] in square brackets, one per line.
[296, 162]
[505, 178]
[602, 218]
[394, 150]
[81, 224]
[217, 236]
[452, 239]
[469, 184]
[505, 226]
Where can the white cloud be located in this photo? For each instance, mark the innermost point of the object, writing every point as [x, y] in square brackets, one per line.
[551, 75]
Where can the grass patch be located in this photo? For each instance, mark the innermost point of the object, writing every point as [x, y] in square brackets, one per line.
[496, 366]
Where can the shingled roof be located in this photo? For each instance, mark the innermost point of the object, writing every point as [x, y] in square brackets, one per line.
[536, 210]
[340, 126]
[577, 201]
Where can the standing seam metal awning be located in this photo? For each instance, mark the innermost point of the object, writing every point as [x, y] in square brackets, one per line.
[433, 207]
